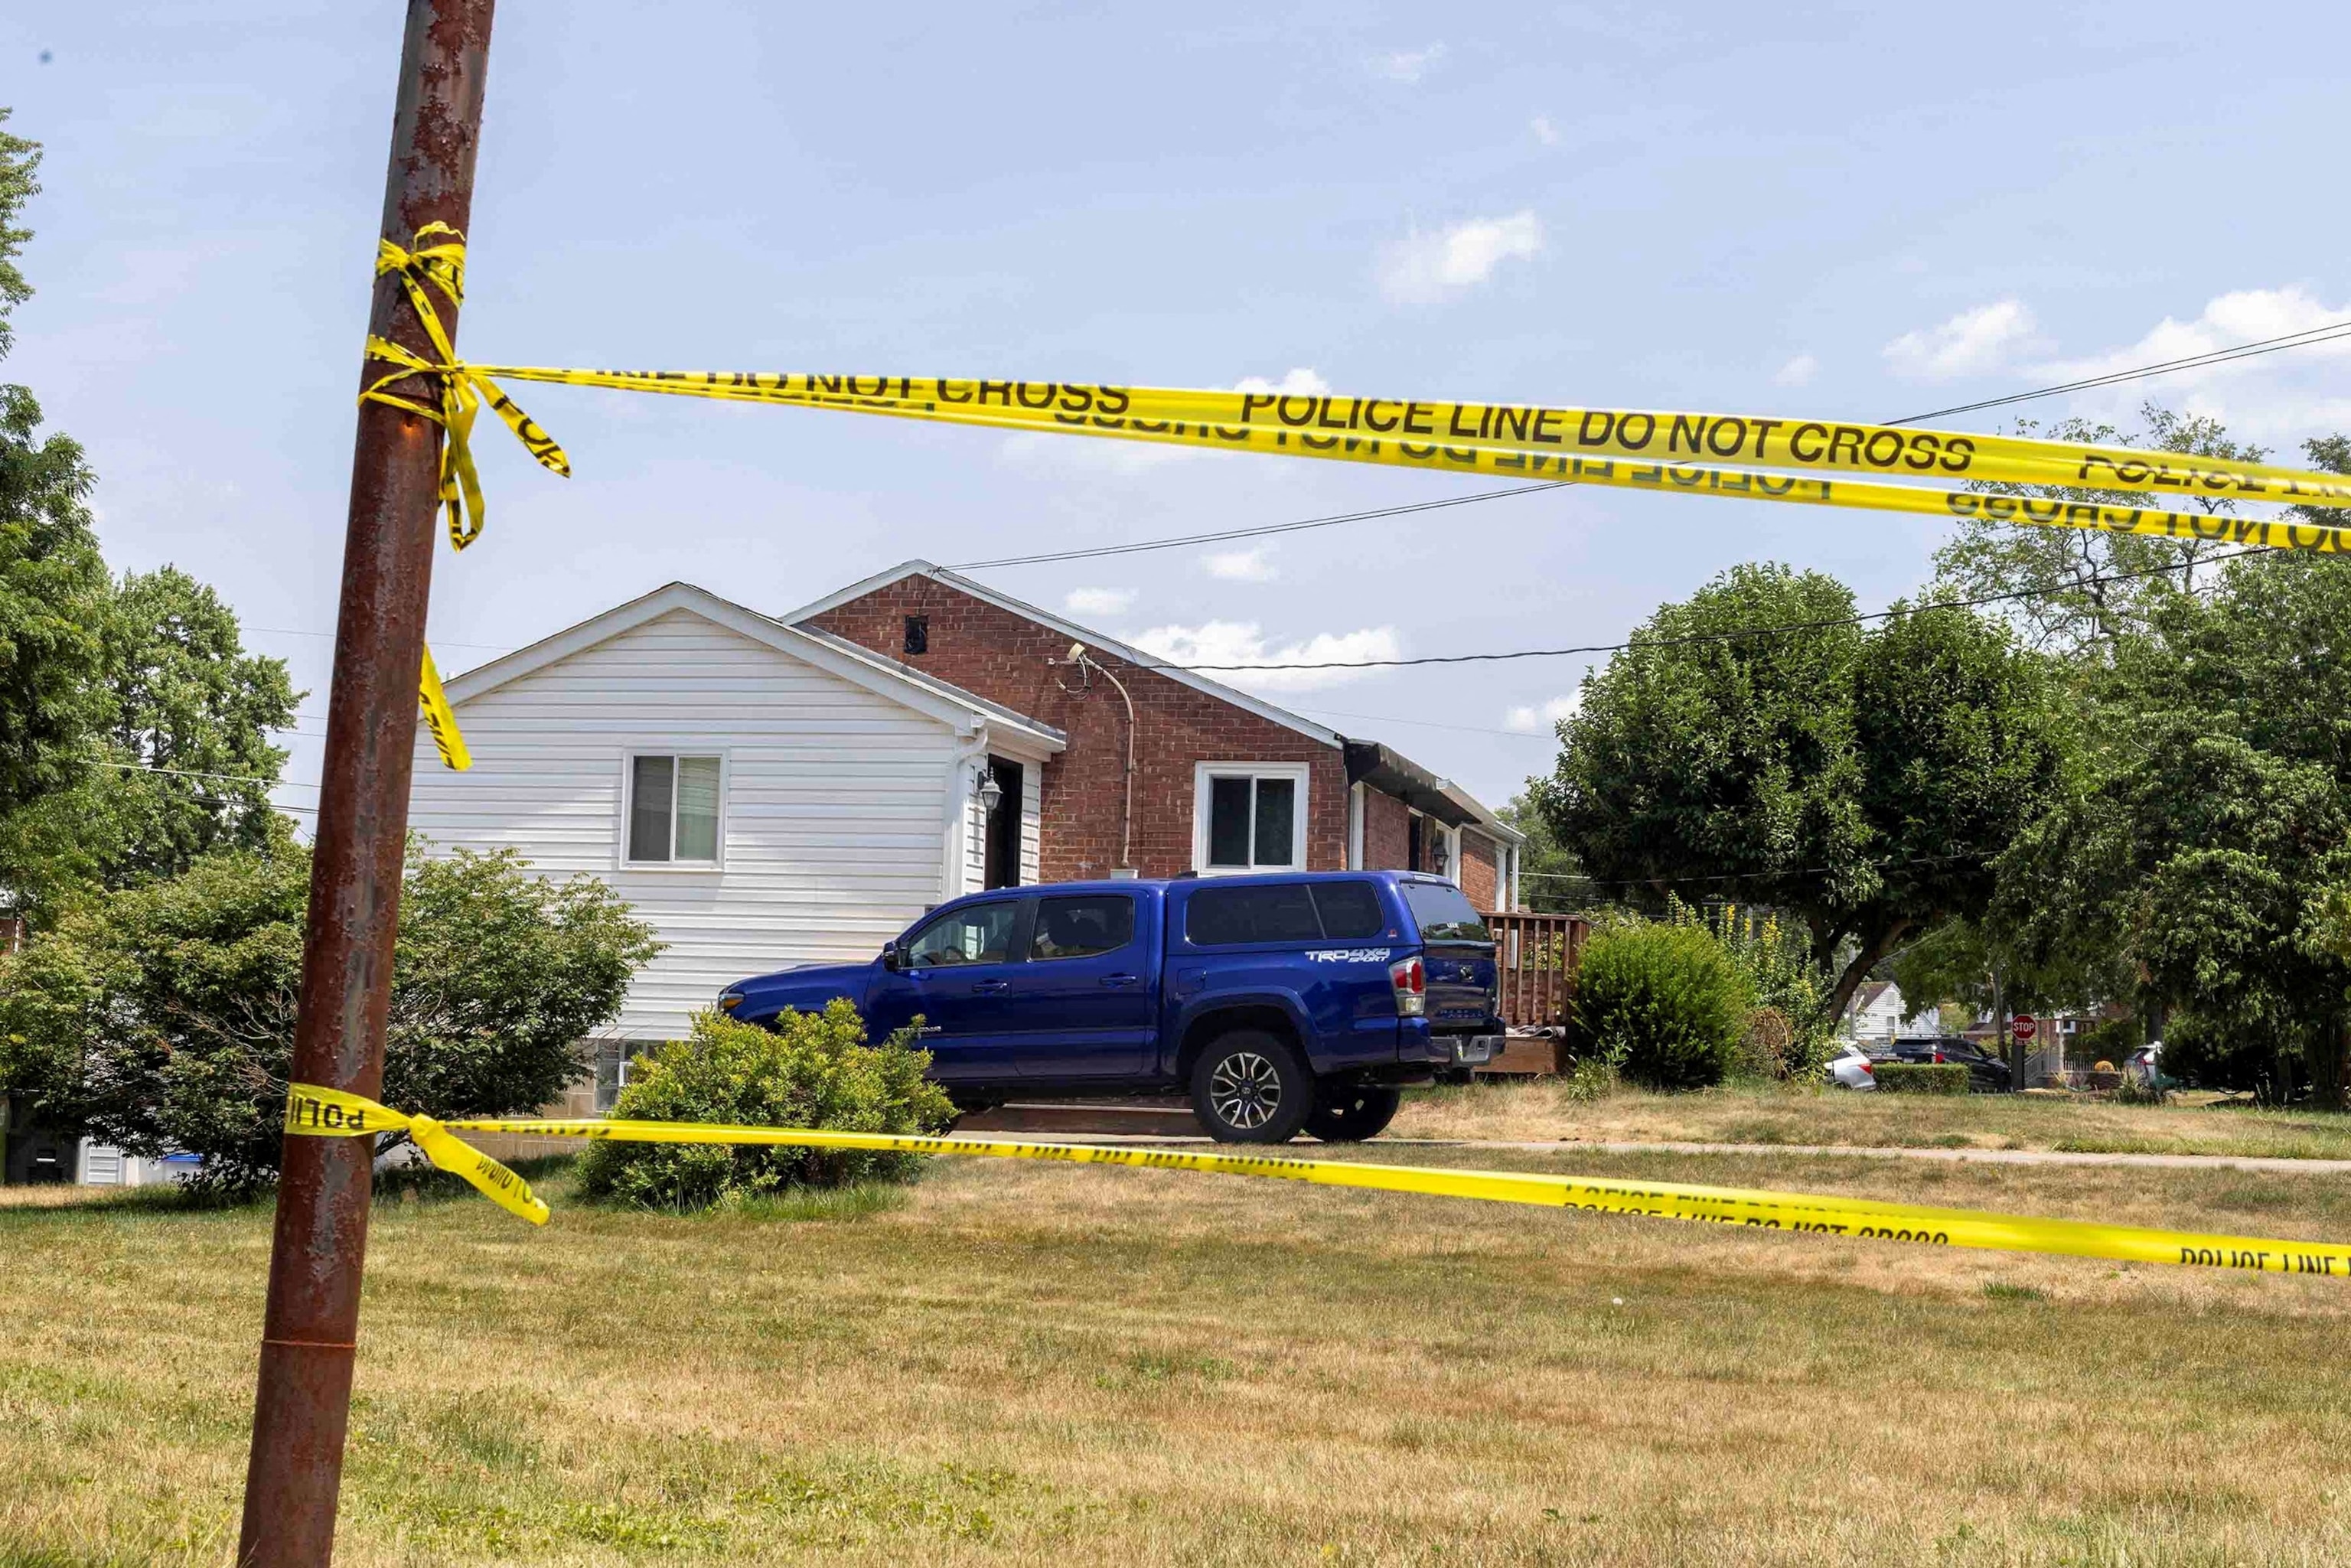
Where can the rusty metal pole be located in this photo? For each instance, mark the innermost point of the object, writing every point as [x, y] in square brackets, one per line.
[302, 1404]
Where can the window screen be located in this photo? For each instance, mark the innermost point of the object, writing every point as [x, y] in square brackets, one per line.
[1252, 822]
[674, 808]
[1218, 916]
[1350, 909]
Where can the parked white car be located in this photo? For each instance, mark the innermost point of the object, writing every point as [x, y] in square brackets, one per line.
[1850, 1067]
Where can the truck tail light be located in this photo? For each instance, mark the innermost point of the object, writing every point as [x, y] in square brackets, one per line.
[1411, 984]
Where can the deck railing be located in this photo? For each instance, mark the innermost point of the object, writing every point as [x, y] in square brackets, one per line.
[1537, 955]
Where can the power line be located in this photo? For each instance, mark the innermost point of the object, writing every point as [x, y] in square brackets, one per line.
[1733, 636]
[1259, 532]
[193, 773]
[2302, 340]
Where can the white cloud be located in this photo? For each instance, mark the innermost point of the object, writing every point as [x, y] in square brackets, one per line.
[1241, 565]
[1971, 343]
[1300, 381]
[1098, 600]
[1425, 268]
[1407, 65]
[1534, 720]
[1236, 643]
[1797, 373]
[1545, 132]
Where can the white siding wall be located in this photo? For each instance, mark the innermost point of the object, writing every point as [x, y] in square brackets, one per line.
[834, 819]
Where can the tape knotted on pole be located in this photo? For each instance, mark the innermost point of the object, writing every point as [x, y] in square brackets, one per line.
[436, 260]
[315, 1113]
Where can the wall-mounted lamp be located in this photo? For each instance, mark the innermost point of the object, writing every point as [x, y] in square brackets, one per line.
[986, 790]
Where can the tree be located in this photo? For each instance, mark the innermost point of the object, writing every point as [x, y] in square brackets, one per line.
[161, 1017]
[1550, 880]
[2207, 843]
[101, 684]
[1756, 743]
[189, 730]
[2082, 588]
[53, 583]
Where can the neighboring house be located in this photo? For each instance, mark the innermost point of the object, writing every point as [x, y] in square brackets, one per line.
[778, 791]
[1875, 1011]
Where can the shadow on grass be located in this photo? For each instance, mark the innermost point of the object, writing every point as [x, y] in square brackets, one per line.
[859, 1200]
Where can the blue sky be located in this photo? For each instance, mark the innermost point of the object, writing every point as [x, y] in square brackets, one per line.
[1851, 211]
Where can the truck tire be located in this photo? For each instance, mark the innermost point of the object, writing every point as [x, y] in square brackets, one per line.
[1350, 1112]
[1249, 1088]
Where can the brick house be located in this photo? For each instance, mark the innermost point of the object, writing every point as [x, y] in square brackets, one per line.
[1217, 773]
[770, 791]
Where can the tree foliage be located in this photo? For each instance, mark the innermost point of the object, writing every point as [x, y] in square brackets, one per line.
[1756, 742]
[2207, 843]
[161, 1017]
[2081, 589]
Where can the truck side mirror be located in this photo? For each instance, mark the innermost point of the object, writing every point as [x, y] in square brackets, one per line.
[893, 959]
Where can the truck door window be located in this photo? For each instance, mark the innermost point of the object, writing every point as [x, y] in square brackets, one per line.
[977, 934]
[1350, 909]
[1220, 917]
[1081, 927]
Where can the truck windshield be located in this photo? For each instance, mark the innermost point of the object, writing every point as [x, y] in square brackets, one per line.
[1442, 913]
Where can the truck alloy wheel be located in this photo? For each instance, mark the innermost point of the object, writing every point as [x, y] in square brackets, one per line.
[1247, 1088]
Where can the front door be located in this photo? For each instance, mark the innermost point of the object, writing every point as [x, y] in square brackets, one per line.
[1003, 863]
[955, 973]
[1084, 998]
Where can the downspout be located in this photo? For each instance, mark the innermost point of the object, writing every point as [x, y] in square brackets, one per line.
[1086, 664]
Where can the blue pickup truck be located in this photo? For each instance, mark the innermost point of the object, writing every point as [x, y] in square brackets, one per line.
[1282, 1004]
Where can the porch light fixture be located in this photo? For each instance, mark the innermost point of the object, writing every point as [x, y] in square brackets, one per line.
[986, 790]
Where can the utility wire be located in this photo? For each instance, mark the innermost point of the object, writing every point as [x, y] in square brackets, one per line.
[1735, 634]
[2302, 340]
[1259, 532]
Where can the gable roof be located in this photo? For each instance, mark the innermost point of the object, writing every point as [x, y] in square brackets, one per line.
[951, 705]
[1069, 629]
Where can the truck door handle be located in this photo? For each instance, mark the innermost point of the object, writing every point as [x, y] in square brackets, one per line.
[991, 985]
[1121, 980]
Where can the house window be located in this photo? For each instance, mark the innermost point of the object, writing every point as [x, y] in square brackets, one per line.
[1250, 816]
[918, 633]
[673, 809]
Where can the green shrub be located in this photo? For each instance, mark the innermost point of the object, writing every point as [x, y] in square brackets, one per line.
[1788, 992]
[812, 1070]
[161, 1018]
[1921, 1077]
[1664, 1001]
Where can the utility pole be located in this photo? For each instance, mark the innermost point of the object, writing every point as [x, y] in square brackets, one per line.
[302, 1404]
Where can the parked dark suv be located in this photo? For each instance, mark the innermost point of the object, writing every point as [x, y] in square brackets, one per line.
[1987, 1074]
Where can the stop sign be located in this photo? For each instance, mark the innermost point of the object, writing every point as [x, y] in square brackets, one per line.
[2023, 1026]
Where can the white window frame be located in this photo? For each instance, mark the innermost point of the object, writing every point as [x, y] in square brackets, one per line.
[629, 804]
[1299, 773]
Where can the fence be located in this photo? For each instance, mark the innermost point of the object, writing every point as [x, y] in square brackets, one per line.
[1537, 955]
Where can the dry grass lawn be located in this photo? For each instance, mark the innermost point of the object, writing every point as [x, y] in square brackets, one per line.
[1020, 1363]
[1543, 1110]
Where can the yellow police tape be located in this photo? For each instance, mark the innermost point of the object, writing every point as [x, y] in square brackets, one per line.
[1634, 448]
[1402, 431]
[328, 1113]
[442, 719]
[1684, 478]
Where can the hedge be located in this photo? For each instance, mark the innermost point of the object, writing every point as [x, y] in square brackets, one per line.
[1921, 1077]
